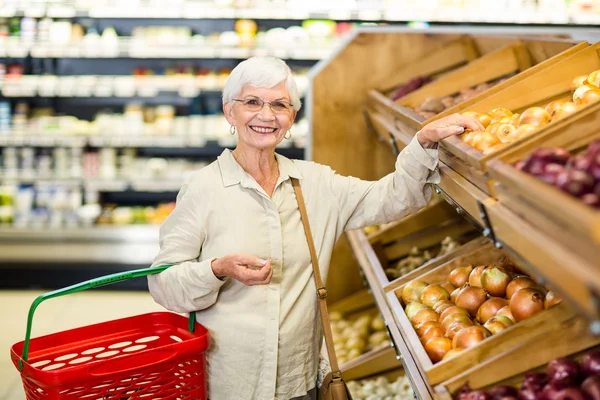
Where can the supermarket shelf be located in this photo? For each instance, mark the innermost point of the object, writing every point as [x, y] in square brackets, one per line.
[185, 146]
[198, 11]
[369, 262]
[86, 86]
[102, 86]
[132, 48]
[103, 233]
[133, 245]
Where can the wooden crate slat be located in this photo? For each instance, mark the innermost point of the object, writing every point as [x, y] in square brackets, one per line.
[448, 56]
[491, 66]
[571, 336]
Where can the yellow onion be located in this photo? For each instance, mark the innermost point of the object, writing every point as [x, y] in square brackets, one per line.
[459, 276]
[453, 310]
[470, 336]
[421, 329]
[518, 283]
[526, 303]
[412, 308]
[437, 348]
[424, 315]
[475, 276]
[505, 312]
[412, 291]
[452, 353]
[490, 308]
[471, 298]
[494, 280]
[456, 327]
[551, 299]
[432, 294]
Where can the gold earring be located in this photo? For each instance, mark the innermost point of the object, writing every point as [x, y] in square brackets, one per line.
[286, 135]
[232, 130]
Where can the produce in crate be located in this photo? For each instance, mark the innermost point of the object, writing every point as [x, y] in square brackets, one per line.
[504, 127]
[382, 388]
[417, 257]
[353, 337]
[487, 299]
[435, 105]
[575, 174]
[564, 379]
[409, 87]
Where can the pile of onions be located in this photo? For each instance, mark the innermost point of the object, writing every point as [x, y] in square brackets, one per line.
[432, 294]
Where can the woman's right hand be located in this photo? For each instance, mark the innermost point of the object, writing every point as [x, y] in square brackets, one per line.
[237, 266]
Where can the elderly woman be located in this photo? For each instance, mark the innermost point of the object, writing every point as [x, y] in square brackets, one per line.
[237, 245]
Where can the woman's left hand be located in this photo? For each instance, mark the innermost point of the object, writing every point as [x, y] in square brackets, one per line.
[442, 128]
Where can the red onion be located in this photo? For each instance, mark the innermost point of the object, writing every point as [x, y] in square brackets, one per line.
[549, 392]
[590, 364]
[528, 394]
[576, 183]
[569, 394]
[504, 392]
[479, 395]
[563, 373]
[591, 387]
[535, 381]
[463, 392]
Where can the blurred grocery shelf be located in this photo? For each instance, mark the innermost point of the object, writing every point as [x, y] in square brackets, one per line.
[553, 12]
[130, 48]
[85, 86]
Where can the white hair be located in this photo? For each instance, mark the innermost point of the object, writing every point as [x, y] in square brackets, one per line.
[262, 72]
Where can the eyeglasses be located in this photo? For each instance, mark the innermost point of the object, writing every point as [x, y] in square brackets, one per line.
[255, 104]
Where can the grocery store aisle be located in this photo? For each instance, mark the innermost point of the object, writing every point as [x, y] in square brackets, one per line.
[56, 315]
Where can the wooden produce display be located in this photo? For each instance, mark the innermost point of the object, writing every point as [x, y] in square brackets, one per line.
[375, 358]
[534, 327]
[549, 235]
[495, 68]
[537, 90]
[424, 237]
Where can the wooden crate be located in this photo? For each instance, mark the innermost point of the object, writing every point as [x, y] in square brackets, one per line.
[539, 89]
[509, 368]
[370, 363]
[424, 229]
[511, 337]
[547, 208]
[521, 57]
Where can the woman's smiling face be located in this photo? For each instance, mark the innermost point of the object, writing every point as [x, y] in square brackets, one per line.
[261, 128]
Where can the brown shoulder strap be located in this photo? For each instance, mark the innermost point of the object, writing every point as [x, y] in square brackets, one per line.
[321, 290]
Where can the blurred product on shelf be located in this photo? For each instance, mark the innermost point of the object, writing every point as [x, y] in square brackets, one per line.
[56, 206]
[418, 257]
[382, 388]
[519, 11]
[137, 120]
[435, 105]
[356, 335]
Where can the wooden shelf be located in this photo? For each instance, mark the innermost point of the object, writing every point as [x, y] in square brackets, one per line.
[548, 260]
[368, 261]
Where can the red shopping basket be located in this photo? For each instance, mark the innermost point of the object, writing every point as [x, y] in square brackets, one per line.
[151, 356]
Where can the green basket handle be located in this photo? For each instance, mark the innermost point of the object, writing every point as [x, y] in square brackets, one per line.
[90, 284]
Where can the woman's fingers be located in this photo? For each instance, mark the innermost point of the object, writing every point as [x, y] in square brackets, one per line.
[257, 275]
